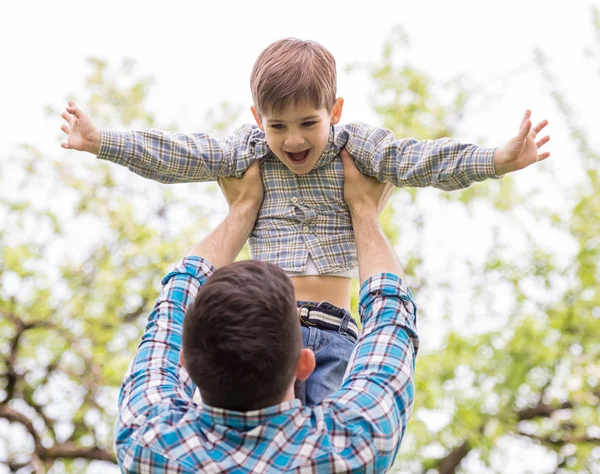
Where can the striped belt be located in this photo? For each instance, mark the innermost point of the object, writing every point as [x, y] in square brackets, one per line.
[324, 319]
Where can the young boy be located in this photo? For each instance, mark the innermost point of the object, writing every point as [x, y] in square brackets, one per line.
[304, 225]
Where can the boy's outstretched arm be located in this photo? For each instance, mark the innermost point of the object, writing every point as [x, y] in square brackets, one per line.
[443, 163]
[522, 150]
[166, 157]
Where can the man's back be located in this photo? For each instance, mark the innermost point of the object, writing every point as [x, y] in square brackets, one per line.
[358, 429]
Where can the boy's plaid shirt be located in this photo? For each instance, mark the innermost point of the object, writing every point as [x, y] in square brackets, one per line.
[358, 429]
[301, 213]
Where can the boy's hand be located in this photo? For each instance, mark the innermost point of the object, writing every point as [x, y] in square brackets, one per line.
[81, 133]
[522, 150]
[363, 194]
[245, 192]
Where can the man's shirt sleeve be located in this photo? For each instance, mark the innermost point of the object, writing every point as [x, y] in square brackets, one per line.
[376, 397]
[155, 378]
[172, 157]
[443, 163]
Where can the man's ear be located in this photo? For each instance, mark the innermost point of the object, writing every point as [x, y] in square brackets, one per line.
[336, 111]
[257, 118]
[306, 364]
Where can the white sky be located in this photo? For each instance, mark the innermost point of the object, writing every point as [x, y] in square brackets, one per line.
[201, 53]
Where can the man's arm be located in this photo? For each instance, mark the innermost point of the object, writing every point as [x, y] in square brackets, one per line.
[166, 157]
[244, 197]
[366, 198]
[156, 382]
[444, 163]
[376, 397]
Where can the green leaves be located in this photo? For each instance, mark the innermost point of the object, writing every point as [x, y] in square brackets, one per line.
[518, 358]
[84, 246]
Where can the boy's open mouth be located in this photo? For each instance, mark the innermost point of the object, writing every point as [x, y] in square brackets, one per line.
[299, 156]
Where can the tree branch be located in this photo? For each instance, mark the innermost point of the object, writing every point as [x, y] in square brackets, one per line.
[542, 410]
[562, 440]
[70, 450]
[449, 464]
[15, 417]
[61, 450]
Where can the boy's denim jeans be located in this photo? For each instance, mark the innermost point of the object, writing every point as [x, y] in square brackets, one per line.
[332, 350]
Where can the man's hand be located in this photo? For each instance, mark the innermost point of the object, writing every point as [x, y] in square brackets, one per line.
[81, 133]
[366, 197]
[244, 196]
[522, 150]
[247, 191]
[363, 194]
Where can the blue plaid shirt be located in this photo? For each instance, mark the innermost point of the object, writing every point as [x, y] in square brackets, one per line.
[357, 429]
[301, 214]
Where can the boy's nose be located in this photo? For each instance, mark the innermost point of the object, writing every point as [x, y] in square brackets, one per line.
[294, 140]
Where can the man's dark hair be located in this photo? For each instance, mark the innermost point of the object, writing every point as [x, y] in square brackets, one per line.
[242, 338]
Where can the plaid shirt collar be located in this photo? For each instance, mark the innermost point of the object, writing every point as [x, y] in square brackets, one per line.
[245, 421]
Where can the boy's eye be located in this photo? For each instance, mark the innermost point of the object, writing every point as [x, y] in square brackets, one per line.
[308, 124]
[277, 126]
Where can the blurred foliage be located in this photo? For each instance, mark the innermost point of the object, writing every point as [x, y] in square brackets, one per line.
[82, 246]
[533, 380]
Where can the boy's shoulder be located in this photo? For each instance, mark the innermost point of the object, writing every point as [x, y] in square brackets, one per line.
[360, 132]
[246, 143]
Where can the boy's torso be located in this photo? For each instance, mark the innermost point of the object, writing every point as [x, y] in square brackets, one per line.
[302, 214]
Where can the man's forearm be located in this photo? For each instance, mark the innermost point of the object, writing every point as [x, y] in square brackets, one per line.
[375, 254]
[223, 245]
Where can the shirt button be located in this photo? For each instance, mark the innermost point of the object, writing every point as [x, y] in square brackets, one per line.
[305, 229]
[294, 200]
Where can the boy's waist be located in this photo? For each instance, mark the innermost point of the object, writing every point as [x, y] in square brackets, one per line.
[334, 289]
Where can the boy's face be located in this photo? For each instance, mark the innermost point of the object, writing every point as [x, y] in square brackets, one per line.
[299, 133]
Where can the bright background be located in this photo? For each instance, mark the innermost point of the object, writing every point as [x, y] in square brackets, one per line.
[201, 54]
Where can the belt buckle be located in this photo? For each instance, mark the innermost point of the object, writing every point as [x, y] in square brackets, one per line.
[302, 320]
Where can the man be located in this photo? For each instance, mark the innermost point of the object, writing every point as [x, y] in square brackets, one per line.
[236, 332]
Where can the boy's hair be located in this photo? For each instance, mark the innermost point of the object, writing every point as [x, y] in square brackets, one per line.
[291, 70]
[242, 337]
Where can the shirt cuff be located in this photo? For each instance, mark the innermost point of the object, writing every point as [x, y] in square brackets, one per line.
[193, 266]
[485, 167]
[389, 285]
[114, 146]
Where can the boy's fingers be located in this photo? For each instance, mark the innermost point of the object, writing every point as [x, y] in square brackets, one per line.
[67, 116]
[543, 156]
[525, 129]
[526, 116]
[75, 111]
[538, 128]
[65, 128]
[542, 141]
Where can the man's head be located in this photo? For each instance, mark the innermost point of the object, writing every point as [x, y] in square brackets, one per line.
[242, 343]
[294, 91]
